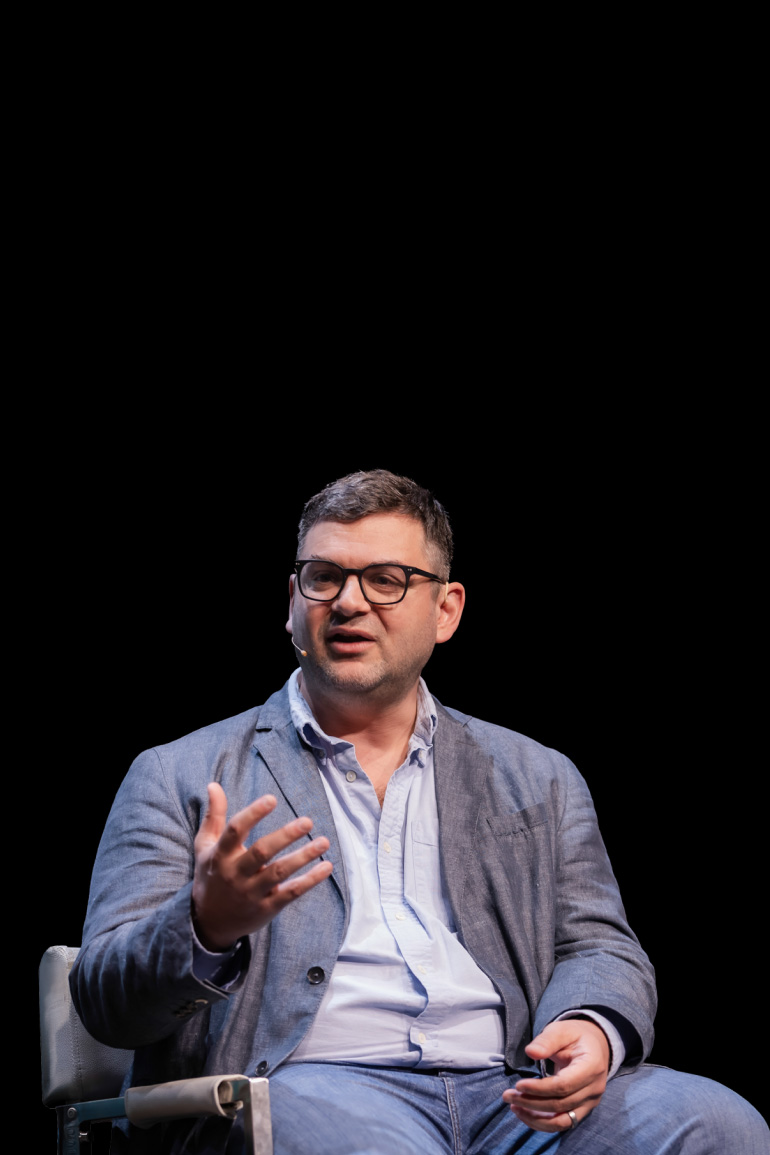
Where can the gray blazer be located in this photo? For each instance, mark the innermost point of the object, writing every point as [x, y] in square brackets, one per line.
[532, 891]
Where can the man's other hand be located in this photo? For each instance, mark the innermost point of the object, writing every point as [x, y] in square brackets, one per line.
[236, 890]
[581, 1056]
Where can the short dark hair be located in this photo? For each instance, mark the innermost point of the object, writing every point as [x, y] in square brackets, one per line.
[379, 491]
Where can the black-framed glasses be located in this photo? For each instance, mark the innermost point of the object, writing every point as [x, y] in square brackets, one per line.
[381, 585]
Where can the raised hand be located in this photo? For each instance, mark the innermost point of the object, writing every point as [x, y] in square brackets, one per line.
[236, 890]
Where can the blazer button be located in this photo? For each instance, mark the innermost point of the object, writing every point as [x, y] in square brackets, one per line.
[262, 1067]
[315, 975]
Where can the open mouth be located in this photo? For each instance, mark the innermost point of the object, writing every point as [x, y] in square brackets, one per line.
[348, 642]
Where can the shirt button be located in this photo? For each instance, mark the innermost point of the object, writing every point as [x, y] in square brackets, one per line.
[422, 1037]
[386, 847]
[400, 916]
[422, 970]
[351, 775]
[315, 976]
[262, 1067]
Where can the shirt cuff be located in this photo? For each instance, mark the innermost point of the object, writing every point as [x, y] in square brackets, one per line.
[220, 969]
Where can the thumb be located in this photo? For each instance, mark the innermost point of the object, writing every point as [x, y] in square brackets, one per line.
[547, 1043]
[213, 825]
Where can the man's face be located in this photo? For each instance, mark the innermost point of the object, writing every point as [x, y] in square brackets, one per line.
[356, 648]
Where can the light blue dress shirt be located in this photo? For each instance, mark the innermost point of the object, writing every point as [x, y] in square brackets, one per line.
[403, 991]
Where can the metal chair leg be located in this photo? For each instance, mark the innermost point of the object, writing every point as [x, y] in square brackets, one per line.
[255, 1096]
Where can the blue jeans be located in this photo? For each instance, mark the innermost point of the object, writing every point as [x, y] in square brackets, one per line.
[336, 1109]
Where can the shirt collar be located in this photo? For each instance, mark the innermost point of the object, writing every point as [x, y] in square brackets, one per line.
[311, 733]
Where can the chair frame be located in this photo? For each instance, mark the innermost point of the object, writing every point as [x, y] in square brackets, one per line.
[75, 1066]
[74, 1120]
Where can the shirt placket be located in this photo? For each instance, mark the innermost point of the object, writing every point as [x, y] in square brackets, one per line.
[409, 933]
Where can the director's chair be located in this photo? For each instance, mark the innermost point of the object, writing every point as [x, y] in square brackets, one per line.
[82, 1078]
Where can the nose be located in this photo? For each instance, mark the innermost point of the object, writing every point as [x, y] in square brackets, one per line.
[350, 600]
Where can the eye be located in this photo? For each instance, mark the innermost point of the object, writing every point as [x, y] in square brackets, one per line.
[385, 581]
[385, 578]
[321, 575]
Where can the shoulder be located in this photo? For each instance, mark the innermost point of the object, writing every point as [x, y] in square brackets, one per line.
[513, 755]
[499, 740]
[214, 751]
[231, 732]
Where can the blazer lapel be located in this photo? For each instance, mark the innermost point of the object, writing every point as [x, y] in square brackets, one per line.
[461, 769]
[294, 769]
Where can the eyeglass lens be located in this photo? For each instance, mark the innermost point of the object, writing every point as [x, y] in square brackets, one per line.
[382, 583]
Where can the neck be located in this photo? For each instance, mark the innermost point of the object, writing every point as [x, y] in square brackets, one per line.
[379, 724]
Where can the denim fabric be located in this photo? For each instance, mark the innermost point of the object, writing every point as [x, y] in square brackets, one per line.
[328, 1109]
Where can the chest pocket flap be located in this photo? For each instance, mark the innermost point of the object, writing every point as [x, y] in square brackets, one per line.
[522, 822]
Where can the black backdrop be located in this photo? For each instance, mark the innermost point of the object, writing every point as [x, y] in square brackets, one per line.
[604, 617]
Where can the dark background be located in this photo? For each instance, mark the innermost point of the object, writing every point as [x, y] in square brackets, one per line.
[609, 570]
[533, 289]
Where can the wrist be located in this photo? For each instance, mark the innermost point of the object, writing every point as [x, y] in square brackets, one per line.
[210, 941]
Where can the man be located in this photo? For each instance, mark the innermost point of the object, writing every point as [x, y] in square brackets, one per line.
[408, 921]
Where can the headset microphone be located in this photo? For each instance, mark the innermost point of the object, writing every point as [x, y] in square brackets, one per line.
[296, 647]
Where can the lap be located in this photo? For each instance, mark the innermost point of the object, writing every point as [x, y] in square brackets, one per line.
[335, 1109]
[351, 1110]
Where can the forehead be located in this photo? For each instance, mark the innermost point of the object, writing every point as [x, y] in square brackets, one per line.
[379, 537]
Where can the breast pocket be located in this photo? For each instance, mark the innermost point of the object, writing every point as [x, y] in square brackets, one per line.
[521, 824]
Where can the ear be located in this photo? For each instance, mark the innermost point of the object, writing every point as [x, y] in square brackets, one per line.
[450, 609]
[289, 627]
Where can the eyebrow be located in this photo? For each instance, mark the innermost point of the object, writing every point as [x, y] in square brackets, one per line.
[387, 561]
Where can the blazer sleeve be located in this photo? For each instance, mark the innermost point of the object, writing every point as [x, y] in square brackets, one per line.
[598, 961]
[133, 982]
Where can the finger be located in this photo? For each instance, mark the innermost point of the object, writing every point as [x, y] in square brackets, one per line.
[241, 823]
[543, 1121]
[270, 876]
[571, 1080]
[552, 1106]
[554, 1099]
[558, 1096]
[294, 888]
[267, 847]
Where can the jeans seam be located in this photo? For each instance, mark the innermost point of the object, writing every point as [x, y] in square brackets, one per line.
[454, 1116]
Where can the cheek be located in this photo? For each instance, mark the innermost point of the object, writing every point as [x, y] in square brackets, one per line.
[307, 618]
[418, 634]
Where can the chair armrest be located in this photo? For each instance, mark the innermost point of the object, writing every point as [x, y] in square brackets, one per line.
[209, 1095]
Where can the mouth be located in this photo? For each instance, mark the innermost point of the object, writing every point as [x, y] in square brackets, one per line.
[341, 641]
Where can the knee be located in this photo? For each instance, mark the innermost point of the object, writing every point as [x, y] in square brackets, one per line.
[677, 1114]
[705, 1116]
[728, 1122]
